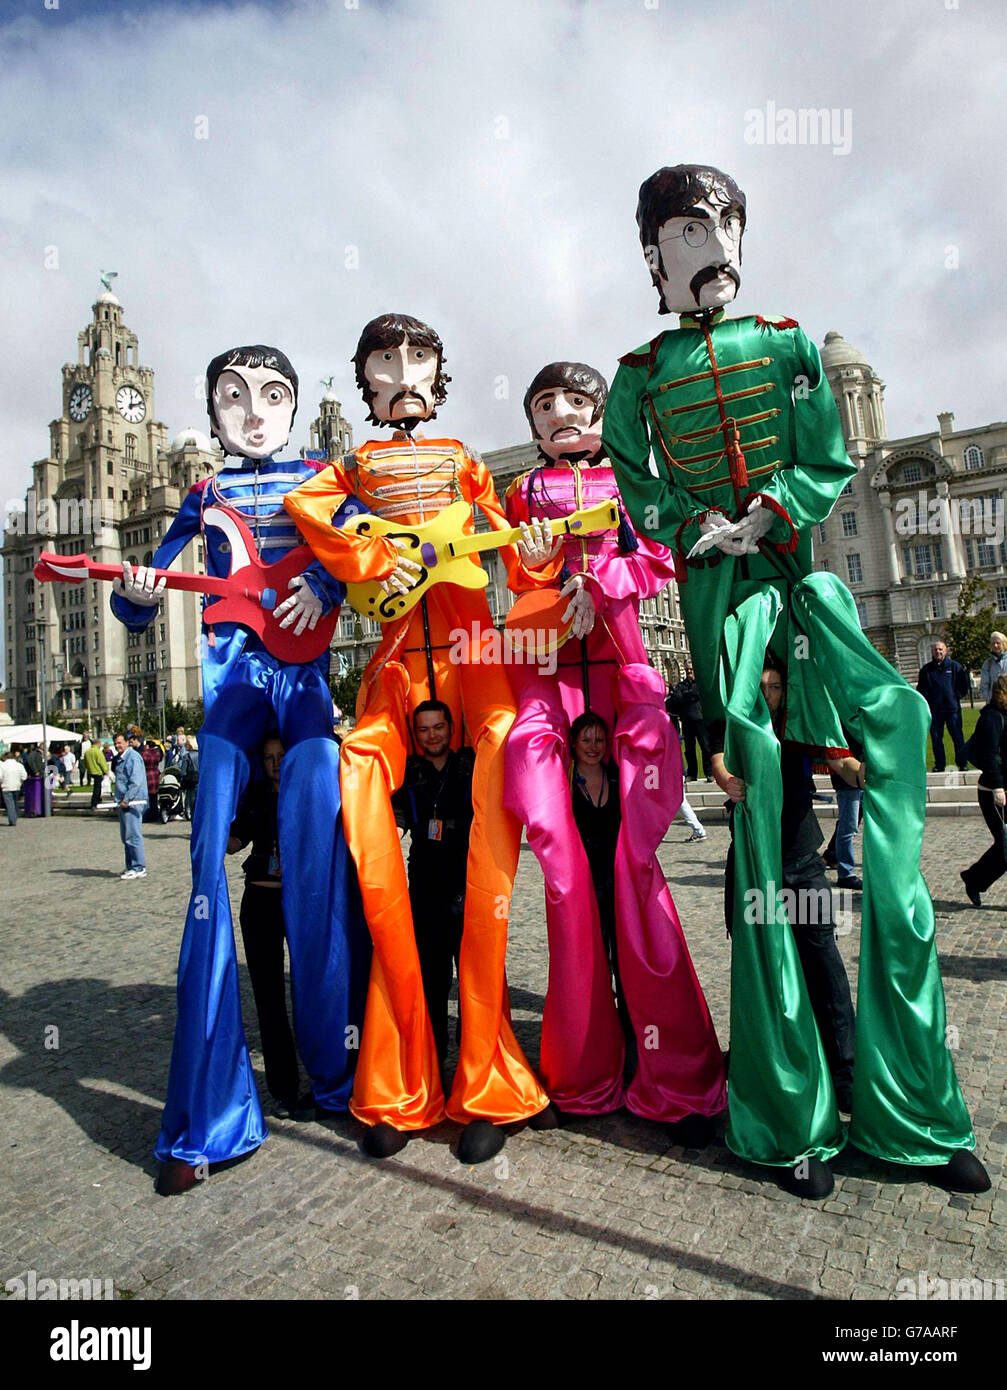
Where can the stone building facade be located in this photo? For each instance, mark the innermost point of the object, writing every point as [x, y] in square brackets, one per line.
[922, 513]
[109, 488]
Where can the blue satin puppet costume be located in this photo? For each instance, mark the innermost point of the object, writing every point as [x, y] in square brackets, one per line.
[212, 1110]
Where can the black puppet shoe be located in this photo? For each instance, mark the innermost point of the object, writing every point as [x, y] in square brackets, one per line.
[480, 1141]
[692, 1131]
[383, 1141]
[809, 1178]
[962, 1173]
[549, 1118]
[175, 1176]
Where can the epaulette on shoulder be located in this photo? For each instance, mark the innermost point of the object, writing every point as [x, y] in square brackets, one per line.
[518, 482]
[643, 356]
[778, 321]
[198, 487]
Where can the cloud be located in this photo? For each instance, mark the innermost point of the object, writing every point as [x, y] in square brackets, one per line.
[476, 164]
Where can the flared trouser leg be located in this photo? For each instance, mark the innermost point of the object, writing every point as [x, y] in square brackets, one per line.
[583, 1049]
[679, 1071]
[782, 1103]
[327, 937]
[212, 1110]
[398, 1077]
[907, 1104]
[493, 1080]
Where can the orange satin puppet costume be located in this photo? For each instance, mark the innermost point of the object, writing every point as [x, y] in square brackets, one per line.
[398, 1082]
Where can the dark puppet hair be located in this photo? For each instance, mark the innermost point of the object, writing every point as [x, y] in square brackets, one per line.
[569, 376]
[668, 193]
[255, 355]
[388, 330]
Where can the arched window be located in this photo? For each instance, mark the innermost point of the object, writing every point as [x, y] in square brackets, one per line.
[973, 457]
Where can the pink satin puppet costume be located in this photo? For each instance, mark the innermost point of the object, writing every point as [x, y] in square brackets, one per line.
[604, 667]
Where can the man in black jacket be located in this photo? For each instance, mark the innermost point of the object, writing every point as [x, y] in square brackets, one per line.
[263, 932]
[434, 804]
[683, 702]
[942, 683]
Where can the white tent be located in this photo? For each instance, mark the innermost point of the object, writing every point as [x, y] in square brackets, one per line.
[32, 733]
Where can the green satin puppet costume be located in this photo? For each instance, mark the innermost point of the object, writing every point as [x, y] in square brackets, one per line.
[735, 410]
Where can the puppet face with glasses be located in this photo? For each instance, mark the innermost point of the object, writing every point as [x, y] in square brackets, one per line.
[697, 255]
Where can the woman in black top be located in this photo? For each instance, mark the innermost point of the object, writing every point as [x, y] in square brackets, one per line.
[598, 815]
[988, 750]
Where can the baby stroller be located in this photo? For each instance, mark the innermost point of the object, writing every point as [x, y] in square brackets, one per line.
[170, 797]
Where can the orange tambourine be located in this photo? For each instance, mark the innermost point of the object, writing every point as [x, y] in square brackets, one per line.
[535, 623]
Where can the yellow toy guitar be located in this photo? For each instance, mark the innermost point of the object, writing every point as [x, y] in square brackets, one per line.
[441, 549]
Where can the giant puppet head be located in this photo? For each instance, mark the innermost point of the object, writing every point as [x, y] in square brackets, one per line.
[564, 406]
[399, 363]
[251, 399]
[691, 220]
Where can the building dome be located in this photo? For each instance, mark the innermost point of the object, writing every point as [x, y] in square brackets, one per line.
[837, 352]
[331, 397]
[108, 298]
[191, 439]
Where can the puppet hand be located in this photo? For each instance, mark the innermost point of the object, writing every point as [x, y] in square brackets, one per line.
[716, 531]
[142, 587]
[753, 526]
[999, 797]
[580, 608]
[862, 776]
[404, 575]
[303, 607]
[536, 546]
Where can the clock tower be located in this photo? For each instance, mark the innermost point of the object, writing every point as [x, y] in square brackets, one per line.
[110, 487]
[107, 437]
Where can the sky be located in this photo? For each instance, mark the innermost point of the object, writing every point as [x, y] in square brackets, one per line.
[282, 172]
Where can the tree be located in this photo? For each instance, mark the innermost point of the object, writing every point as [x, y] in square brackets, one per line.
[344, 690]
[967, 633]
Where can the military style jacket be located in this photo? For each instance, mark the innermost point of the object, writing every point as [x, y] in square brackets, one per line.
[732, 408]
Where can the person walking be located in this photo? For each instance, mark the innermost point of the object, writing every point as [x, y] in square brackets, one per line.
[988, 750]
[131, 799]
[96, 767]
[12, 778]
[34, 796]
[942, 683]
[188, 771]
[994, 665]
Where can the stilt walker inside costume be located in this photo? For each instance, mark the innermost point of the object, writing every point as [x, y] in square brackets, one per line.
[603, 668]
[409, 480]
[212, 1111]
[748, 456]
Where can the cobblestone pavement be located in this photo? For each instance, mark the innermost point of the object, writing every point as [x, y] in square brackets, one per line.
[603, 1209]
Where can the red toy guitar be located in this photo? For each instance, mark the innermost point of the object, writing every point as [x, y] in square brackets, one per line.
[248, 595]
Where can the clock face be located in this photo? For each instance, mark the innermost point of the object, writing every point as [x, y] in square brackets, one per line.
[130, 404]
[81, 402]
